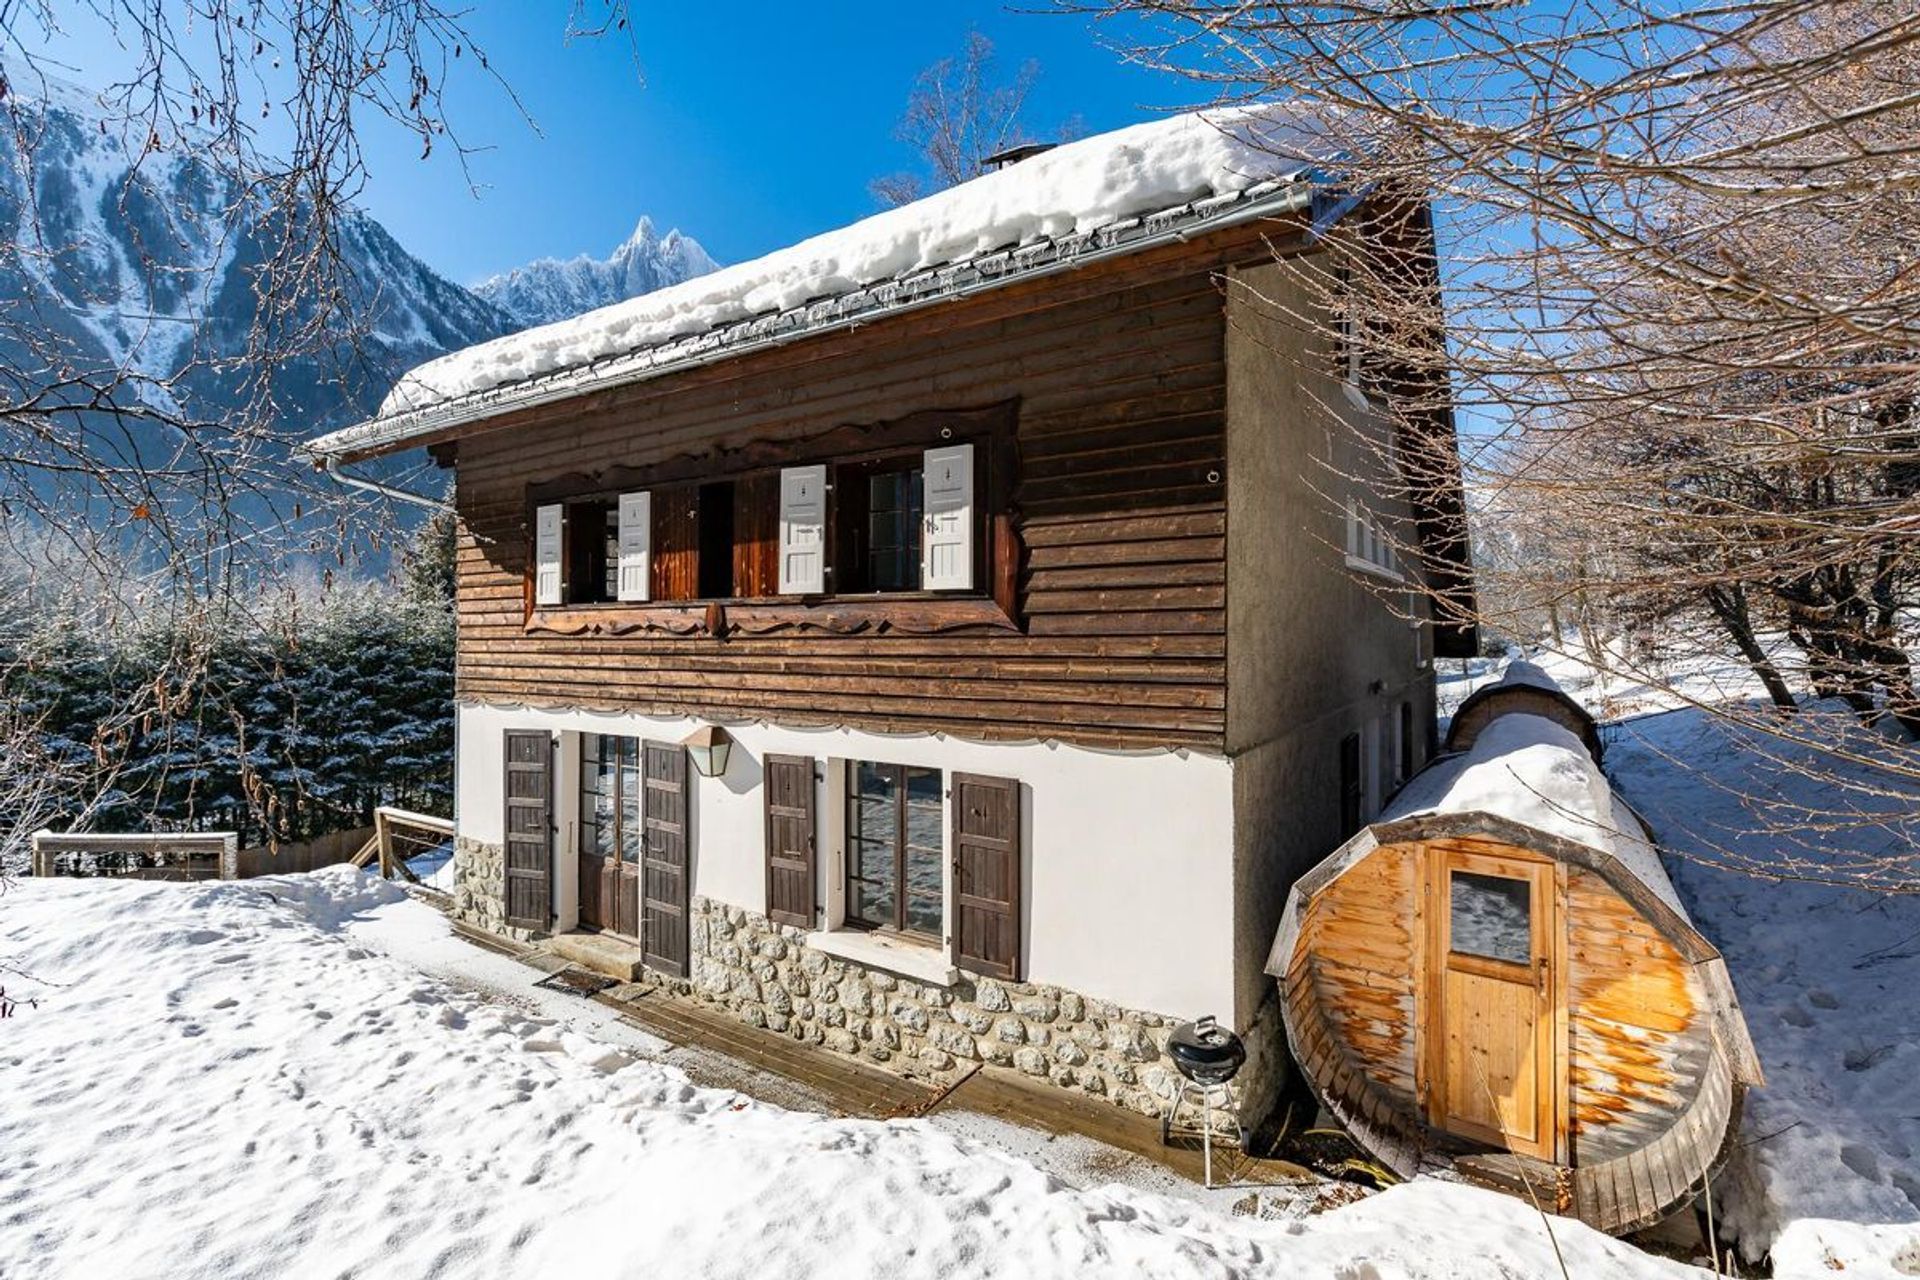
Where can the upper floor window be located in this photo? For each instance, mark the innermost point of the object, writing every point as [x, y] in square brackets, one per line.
[1369, 546]
[910, 521]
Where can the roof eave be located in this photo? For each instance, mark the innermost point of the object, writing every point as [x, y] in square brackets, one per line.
[926, 288]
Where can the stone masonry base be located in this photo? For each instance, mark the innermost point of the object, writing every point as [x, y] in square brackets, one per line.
[767, 976]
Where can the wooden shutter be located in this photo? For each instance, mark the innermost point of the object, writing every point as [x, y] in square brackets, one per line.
[803, 530]
[548, 545]
[666, 870]
[529, 828]
[790, 842]
[756, 536]
[986, 874]
[636, 543]
[946, 550]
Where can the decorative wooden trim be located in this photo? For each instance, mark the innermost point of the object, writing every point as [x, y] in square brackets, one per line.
[718, 619]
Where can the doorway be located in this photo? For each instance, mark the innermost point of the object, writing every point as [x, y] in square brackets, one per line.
[611, 834]
[1491, 1068]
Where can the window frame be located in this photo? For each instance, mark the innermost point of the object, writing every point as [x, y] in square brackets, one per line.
[851, 796]
[997, 547]
[588, 821]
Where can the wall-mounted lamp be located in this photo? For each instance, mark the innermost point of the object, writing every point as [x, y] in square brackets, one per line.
[709, 746]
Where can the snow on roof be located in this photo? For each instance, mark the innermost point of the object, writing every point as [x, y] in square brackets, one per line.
[1072, 190]
[1530, 770]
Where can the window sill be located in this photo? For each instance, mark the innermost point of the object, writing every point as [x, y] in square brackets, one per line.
[922, 963]
[911, 615]
[1373, 570]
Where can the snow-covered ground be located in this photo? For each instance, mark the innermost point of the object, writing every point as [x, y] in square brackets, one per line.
[1828, 1177]
[1829, 979]
[244, 1079]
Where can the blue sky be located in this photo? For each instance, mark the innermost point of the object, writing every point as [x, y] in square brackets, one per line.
[748, 125]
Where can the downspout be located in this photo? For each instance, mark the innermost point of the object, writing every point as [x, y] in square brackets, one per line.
[334, 473]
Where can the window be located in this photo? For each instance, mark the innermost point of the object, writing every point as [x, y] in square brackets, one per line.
[1406, 741]
[896, 861]
[1353, 788]
[610, 796]
[593, 551]
[878, 511]
[914, 519]
[1489, 916]
[1369, 546]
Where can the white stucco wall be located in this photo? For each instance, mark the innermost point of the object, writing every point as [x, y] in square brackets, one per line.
[1129, 856]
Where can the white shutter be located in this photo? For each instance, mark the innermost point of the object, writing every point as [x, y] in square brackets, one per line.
[547, 543]
[636, 546]
[946, 549]
[803, 530]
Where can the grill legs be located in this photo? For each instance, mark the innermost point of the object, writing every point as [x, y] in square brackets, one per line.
[1206, 1098]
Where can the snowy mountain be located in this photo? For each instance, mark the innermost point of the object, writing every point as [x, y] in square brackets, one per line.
[139, 263]
[550, 289]
[134, 260]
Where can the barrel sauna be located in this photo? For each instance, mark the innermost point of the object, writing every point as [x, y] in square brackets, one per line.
[1497, 976]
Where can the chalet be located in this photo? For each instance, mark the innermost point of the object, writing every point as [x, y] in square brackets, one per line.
[937, 640]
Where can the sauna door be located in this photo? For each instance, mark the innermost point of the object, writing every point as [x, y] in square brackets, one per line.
[1491, 993]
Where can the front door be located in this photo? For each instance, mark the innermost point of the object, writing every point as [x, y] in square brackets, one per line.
[1491, 991]
[611, 833]
[665, 870]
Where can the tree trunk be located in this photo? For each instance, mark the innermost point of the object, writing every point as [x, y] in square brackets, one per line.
[1729, 604]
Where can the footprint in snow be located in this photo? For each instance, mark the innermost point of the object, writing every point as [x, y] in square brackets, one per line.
[1822, 999]
[1794, 1016]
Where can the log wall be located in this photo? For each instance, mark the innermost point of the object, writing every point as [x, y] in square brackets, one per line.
[1119, 376]
[1638, 1032]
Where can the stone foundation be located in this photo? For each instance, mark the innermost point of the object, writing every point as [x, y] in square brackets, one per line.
[480, 888]
[767, 976]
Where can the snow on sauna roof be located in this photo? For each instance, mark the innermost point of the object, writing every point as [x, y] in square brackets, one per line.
[1532, 771]
[1111, 193]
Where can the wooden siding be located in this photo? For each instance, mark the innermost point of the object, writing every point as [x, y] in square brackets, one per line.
[1362, 949]
[1120, 500]
[1639, 1032]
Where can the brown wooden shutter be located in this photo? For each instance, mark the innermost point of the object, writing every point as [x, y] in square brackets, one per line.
[986, 874]
[529, 828]
[790, 858]
[666, 867]
[756, 536]
[676, 543]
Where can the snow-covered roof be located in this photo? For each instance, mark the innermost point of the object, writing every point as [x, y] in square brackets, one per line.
[1533, 771]
[1115, 192]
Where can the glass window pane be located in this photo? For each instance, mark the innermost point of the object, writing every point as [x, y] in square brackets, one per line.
[873, 779]
[923, 914]
[873, 903]
[1489, 916]
[923, 786]
[875, 820]
[630, 830]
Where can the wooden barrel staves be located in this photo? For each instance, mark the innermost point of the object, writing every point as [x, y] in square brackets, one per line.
[1496, 975]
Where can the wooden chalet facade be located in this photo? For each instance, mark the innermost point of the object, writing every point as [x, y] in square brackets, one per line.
[1045, 661]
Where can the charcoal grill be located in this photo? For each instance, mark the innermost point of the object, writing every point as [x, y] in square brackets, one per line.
[1208, 1056]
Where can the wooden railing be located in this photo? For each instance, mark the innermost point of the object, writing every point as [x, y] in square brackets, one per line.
[146, 855]
[396, 830]
[396, 836]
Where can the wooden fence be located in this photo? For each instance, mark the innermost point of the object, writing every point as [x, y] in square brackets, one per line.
[395, 836]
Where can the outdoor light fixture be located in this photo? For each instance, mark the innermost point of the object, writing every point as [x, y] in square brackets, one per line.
[709, 746]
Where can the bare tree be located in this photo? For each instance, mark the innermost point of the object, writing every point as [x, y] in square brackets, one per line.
[958, 115]
[235, 128]
[1684, 337]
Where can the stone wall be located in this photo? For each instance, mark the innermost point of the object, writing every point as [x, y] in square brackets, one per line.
[480, 887]
[768, 977]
